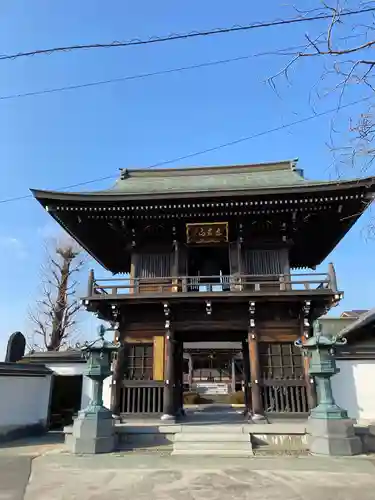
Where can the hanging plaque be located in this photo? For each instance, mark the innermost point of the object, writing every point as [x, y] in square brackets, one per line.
[207, 232]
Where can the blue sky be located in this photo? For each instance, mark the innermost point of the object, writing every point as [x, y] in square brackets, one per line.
[58, 139]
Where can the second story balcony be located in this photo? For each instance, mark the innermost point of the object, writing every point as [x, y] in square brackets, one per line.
[238, 284]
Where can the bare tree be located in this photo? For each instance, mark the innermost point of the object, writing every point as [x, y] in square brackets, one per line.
[54, 316]
[346, 50]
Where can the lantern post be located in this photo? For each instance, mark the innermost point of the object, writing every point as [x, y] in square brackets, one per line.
[94, 427]
[331, 430]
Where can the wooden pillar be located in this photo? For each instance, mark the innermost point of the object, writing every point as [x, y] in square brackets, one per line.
[256, 397]
[191, 368]
[233, 381]
[178, 377]
[246, 375]
[179, 367]
[170, 379]
[118, 376]
[169, 404]
[309, 381]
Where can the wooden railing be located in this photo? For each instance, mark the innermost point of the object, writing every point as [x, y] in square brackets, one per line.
[191, 284]
[285, 396]
[139, 397]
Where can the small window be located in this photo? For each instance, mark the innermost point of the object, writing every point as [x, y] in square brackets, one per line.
[141, 360]
[280, 361]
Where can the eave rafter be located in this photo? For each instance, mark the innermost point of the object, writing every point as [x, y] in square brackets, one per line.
[299, 208]
[130, 207]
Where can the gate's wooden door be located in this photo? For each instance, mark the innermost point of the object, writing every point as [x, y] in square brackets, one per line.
[282, 378]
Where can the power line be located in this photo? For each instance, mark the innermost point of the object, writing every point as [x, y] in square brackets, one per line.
[184, 36]
[148, 75]
[208, 150]
[287, 51]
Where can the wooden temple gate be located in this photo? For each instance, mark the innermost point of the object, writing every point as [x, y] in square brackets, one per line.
[212, 253]
[282, 382]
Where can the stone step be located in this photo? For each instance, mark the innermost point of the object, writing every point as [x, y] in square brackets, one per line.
[232, 442]
[214, 428]
[217, 453]
[213, 446]
[190, 437]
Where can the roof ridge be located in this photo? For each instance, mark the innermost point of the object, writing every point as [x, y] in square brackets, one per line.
[209, 170]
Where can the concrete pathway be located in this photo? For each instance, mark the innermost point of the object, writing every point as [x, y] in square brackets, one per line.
[14, 476]
[60, 476]
[43, 470]
[142, 477]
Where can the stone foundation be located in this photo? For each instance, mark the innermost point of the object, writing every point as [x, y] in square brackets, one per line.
[93, 433]
[333, 437]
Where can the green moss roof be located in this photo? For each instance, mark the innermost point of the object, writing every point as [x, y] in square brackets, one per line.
[270, 178]
[242, 177]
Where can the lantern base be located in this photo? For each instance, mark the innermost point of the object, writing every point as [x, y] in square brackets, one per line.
[329, 412]
[333, 437]
[166, 417]
[93, 432]
[257, 418]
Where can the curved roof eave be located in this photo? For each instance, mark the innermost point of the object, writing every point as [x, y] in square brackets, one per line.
[114, 195]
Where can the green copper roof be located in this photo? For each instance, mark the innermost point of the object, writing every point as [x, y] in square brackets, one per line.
[208, 179]
[278, 177]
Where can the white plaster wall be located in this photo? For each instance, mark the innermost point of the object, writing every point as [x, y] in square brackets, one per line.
[68, 369]
[23, 401]
[107, 388]
[354, 388]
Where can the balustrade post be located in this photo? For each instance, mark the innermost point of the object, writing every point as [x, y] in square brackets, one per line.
[90, 284]
[282, 282]
[332, 277]
[134, 269]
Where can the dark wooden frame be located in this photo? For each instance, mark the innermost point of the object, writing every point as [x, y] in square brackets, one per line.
[132, 358]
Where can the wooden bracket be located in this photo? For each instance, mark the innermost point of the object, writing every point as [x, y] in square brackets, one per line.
[306, 318]
[252, 320]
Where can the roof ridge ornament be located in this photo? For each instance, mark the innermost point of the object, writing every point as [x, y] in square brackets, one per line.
[125, 174]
